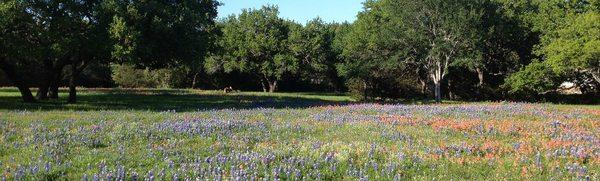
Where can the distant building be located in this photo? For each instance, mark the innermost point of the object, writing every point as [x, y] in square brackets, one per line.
[569, 88]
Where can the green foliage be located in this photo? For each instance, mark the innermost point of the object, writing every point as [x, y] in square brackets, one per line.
[576, 46]
[524, 81]
[395, 49]
[256, 42]
[425, 36]
[501, 44]
[314, 46]
[162, 33]
[53, 35]
[366, 49]
[14, 22]
[311, 44]
[128, 76]
[570, 37]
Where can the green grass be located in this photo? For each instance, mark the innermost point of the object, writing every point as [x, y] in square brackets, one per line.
[170, 99]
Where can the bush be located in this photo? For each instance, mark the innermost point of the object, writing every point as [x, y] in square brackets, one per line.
[384, 88]
[356, 88]
[128, 76]
[536, 77]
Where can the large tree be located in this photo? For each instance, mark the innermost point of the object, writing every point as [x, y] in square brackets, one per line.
[575, 48]
[568, 47]
[313, 46]
[58, 33]
[256, 42]
[16, 55]
[53, 35]
[430, 35]
[503, 44]
[440, 32]
[68, 33]
[158, 34]
[368, 50]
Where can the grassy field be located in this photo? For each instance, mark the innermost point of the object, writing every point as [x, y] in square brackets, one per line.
[186, 134]
[170, 100]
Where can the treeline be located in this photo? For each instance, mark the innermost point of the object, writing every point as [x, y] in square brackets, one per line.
[44, 42]
[455, 49]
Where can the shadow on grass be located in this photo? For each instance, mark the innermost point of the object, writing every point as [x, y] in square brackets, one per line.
[170, 100]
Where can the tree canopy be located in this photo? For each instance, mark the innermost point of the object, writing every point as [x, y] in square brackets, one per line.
[256, 42]
[50, 36]
[396, 49]
[568, 50]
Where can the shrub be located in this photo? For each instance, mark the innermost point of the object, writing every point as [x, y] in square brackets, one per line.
[129, 76]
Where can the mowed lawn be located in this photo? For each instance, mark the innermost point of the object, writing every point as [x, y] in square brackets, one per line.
[207, 135]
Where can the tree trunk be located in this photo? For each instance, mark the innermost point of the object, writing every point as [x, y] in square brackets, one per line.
[480, 76]
[365, 90]
[72, 91]
[26, 94]
[57, 71]
[437, 76]
[42, 93]
[438, 91]
[48, 73]
[595, 73]
[272, 86]
[423, 86]
[450, 93]
[264, 86]
[73, 85]
[194, 80]
[268, 84]
[12, 75]
[53, 92]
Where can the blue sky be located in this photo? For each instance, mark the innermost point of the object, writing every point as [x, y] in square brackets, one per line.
[300, 11]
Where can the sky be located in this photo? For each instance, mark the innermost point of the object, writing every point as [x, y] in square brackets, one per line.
[300, 11]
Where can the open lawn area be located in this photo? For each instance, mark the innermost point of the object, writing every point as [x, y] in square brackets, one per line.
[114, 134]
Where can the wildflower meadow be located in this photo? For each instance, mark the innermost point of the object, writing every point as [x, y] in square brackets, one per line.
[349, 141]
